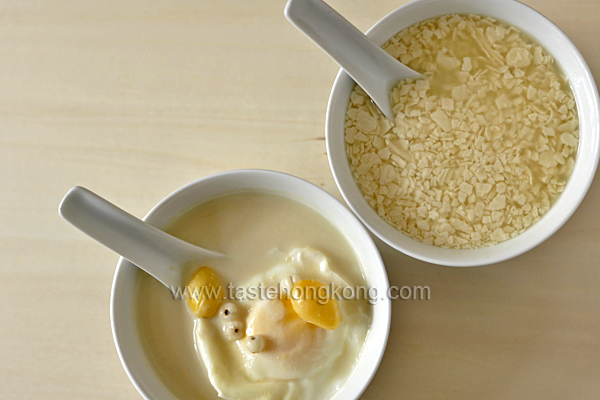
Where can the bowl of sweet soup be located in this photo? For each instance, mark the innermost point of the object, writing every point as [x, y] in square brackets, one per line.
[489, 154]
[296, 309]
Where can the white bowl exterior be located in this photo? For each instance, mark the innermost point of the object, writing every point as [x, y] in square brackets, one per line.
[124, 324]
[586, 95]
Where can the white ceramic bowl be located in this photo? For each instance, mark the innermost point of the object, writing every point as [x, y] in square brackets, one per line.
[586, 95]
[122, 300]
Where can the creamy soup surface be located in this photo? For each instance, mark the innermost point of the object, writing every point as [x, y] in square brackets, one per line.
[266, 237]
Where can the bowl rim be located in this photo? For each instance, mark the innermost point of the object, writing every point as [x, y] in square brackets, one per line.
[378, 339]
[340, 168]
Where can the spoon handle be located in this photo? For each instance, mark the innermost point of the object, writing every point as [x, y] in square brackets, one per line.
[368, 64]
[151, 249]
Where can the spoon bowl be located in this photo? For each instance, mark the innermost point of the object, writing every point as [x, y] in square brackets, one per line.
[584, 89]
[163, 256]
[126, 330]
[368, 64]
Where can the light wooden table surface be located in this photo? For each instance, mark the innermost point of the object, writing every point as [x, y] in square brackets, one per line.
[135, 98]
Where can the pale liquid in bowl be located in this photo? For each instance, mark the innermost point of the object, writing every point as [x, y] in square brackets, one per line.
[480, 149]
[246, 227]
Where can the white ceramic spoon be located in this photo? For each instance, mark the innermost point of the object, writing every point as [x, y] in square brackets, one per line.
[161, 255]
[368, 64]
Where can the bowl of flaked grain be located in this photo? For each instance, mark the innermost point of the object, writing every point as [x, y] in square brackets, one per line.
[502, 211]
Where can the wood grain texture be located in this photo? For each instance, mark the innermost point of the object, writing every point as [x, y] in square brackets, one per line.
[135, 98]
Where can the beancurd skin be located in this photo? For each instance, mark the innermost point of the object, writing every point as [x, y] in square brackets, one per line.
[267, 238]
[480, 149]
